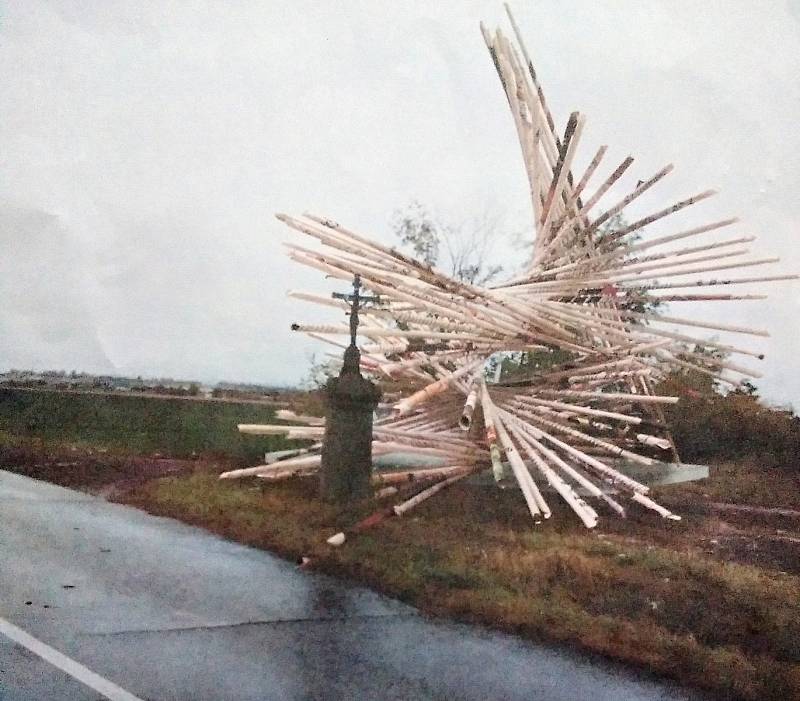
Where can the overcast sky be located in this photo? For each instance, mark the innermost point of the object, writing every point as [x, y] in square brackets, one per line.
[146, 145]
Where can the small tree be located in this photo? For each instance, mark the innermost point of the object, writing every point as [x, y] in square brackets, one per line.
[466, 246]
[319, 372]
[746, 389]
[416, 230]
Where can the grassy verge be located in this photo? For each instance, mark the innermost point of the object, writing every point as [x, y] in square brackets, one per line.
[723, 627]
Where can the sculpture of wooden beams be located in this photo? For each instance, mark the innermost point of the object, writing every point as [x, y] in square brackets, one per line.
[590, 297]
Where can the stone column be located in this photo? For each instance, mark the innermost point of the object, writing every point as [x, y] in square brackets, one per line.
[346, 470]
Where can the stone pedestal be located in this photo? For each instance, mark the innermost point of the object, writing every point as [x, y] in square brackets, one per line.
[346, 470]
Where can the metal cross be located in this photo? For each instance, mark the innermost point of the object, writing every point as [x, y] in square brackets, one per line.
[355, 300]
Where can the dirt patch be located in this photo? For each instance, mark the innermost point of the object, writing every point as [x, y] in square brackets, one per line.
[776, 552]
[765, 547]
[93, 470]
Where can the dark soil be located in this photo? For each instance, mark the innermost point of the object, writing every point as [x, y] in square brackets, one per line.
[92, 470]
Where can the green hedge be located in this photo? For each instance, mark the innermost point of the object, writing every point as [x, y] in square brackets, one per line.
[734, 426]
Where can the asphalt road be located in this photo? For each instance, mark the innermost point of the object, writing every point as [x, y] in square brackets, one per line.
[168, 612]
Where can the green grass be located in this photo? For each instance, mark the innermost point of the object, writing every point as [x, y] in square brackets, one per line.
[137, 425]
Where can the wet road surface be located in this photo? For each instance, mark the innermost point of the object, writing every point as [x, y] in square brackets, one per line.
[169, 612]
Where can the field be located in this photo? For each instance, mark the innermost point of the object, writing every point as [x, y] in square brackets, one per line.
[135, 425]
[713, 601]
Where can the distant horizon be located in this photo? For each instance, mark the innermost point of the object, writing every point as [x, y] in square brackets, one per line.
[149, 377]
[298, 386]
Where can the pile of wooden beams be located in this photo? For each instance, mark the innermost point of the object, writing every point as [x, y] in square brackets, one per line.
[592, 296]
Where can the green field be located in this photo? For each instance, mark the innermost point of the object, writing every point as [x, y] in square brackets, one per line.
[137, 425]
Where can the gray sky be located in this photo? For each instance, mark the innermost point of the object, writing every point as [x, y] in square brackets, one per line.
[146, 145]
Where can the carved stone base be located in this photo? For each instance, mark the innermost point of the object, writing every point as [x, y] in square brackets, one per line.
[346, 470]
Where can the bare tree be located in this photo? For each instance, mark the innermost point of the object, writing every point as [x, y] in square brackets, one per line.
[466, 247]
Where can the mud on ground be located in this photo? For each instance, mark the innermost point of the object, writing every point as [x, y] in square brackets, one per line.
[93, 470]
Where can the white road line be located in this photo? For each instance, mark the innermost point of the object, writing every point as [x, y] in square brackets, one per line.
[65, 664]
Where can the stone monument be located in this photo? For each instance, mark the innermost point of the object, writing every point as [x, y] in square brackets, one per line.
[350, 399]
